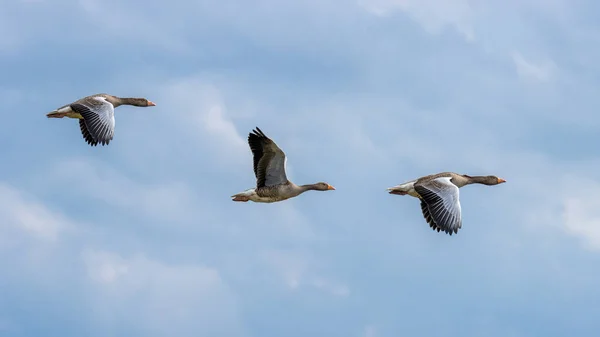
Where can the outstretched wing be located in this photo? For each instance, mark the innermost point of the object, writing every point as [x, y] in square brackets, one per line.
[269, 160]
[98, 124]
[440, 197]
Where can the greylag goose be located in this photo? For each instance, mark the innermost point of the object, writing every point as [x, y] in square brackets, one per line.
[96, 115]
[439, 197]
[272, 184]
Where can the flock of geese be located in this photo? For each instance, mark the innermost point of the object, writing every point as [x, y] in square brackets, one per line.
[438, 193]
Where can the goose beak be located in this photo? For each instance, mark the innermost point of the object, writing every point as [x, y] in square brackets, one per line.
[329, 187]
[151, 103]
[500, 181]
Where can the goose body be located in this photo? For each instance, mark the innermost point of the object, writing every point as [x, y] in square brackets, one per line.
[272, 184]
[439, 196]
[96, 115]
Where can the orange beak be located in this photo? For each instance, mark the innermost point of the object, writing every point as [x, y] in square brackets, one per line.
[329, 187]
[151, 103]
[500, 181]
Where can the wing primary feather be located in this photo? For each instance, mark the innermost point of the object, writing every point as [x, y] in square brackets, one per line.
[440, 205]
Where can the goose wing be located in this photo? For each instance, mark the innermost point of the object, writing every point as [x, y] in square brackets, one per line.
[98, 124]
[428, 217]
[441, 204]
[269, 160]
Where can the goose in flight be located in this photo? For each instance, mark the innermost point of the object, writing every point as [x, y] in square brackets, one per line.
[439, 197]
[96, 115]
[272, 184]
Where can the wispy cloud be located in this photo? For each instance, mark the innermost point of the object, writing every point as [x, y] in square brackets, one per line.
[125, 21]
[300, 270]
[104, 184]
[140, 237]
[581, 212]
[370, 331]
[433, 15]
[205, 112]
[23, 213]
[527, 70]
[160, 299]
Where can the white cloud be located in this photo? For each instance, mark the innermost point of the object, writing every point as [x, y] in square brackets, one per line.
[433, 15]
[104, 267]
[300, 270]
[370, 331]
[204, 112]
[581, 214]
[20, 211]
[153, 297]
[126, 21]
[334, 288]
[527, 70]
[160, 299]
[292, 223]
[173, 201]
[142, 294]
[134, 286]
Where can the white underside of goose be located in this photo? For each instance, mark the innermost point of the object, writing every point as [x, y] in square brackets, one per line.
[69, 112]
[251, 195]
[406, 188]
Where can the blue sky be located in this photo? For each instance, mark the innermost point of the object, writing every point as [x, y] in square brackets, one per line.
[140, 238]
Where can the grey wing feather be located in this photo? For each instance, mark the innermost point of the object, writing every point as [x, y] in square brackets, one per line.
[86, 134]
[98, 119]
[269, 160]
[275, 170]
[441, 198]
[428, 217]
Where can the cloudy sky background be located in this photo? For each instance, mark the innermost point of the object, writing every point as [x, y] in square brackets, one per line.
[140, 238]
